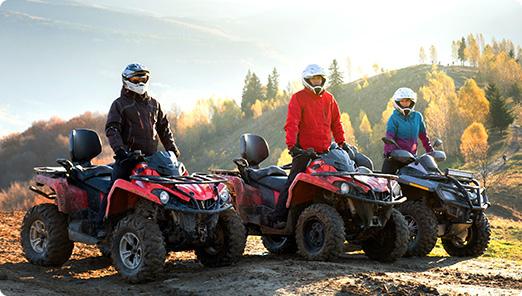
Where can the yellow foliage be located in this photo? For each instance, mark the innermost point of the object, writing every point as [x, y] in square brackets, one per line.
[499, 68]
[473, 104]
[257, 109]
[284, 158]
[472, 50]
[387, 112]
[365, 126]
[474, 142]
[349, 133]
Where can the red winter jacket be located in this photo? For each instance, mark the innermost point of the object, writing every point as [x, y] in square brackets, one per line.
[311, 121]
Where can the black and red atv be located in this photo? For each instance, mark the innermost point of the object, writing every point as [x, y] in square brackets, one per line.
[162, 208]
[329, 203]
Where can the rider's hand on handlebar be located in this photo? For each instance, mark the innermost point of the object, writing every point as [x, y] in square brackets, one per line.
[310, 152]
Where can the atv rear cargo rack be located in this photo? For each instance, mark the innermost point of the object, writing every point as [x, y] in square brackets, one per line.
[196, 178]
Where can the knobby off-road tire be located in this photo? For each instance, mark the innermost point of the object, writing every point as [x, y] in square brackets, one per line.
[320, 233]
[477, 240]
[228, 244]
[138, 249]
[279, 244]
[422, 227]
[391, 242]
[44, 236]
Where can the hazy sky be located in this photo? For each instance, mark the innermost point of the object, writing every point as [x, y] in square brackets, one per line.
[296, 33]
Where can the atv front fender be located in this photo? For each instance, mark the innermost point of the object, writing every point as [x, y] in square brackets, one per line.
[124, 195]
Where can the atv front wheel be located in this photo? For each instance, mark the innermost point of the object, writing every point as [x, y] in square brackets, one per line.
[422, 227]
[279, 244]
[44, 236]
[320, 233]
[391, 242]
[138, 249]
[228, 243]
[477, 239]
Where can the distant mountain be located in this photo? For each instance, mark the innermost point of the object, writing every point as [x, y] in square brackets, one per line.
[63, 54]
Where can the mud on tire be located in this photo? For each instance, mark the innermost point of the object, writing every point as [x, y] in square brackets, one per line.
[229, 243]
[44, 236]
[391, 242]
[422, 227]
[320, 233]
[138, 249]
[278, 244]
[477, 240]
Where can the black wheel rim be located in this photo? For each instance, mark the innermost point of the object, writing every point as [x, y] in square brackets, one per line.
[314, 235]
[462, 244]
[413, 227]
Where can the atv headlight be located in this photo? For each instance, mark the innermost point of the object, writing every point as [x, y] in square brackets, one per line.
[447, 195]
[345, 188]
[224, 195]
[164, 197]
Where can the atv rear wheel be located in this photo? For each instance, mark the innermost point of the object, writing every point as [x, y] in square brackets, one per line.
[44, 236]
[320, 233]
[477, 239]
[422, 228]
[278, 244]
[228, 243]
[391, 242]
[138, 249]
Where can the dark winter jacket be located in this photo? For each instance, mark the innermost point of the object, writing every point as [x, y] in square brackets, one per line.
[135, 122]
[311, 121]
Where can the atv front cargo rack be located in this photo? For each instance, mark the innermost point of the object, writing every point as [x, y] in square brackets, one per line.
[350, 174]
[196, 178]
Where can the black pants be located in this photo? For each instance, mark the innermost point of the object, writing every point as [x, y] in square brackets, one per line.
[118, 172]
[391, 166]
[299, 164]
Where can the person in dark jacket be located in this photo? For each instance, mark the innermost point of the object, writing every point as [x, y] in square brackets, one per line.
[405, 126]
[136, 121]
[313, 117]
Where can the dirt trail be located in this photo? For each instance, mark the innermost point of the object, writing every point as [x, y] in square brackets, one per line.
[257, 274]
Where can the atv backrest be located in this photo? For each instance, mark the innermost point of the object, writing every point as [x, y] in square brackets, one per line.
[84, 145]
[253, 148]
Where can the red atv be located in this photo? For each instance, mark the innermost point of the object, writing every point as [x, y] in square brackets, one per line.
[329, 203]
[162, 208]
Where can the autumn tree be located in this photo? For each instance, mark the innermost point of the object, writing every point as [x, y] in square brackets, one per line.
[433, 55]
[349, 133]
[454, 51]
[422, 55]
[442, 115]
[472, 51]
[365, 131]
[335, 79]
[474, 148]
[473, 105]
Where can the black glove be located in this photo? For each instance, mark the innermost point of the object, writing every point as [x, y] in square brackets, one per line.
[295, 151]
[310, 152]
[121, 154]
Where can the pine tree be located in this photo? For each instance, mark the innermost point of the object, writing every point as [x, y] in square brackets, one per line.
[335, 78]
[252, 91]
[500, 115]
[272, 87]
[462, 51]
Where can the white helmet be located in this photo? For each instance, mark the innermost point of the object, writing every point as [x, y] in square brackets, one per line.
[135, 78]
[404, 93]
[311, 71]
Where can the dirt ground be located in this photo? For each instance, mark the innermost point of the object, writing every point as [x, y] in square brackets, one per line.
[258, 273]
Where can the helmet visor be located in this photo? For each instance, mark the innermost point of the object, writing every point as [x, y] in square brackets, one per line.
[138, 79]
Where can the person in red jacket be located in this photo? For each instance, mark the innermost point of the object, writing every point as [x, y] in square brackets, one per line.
[313, 117]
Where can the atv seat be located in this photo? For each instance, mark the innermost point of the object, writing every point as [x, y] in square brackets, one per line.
[258, 174]
[86, 173]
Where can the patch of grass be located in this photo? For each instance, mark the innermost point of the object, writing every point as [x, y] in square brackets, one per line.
[505, 243]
